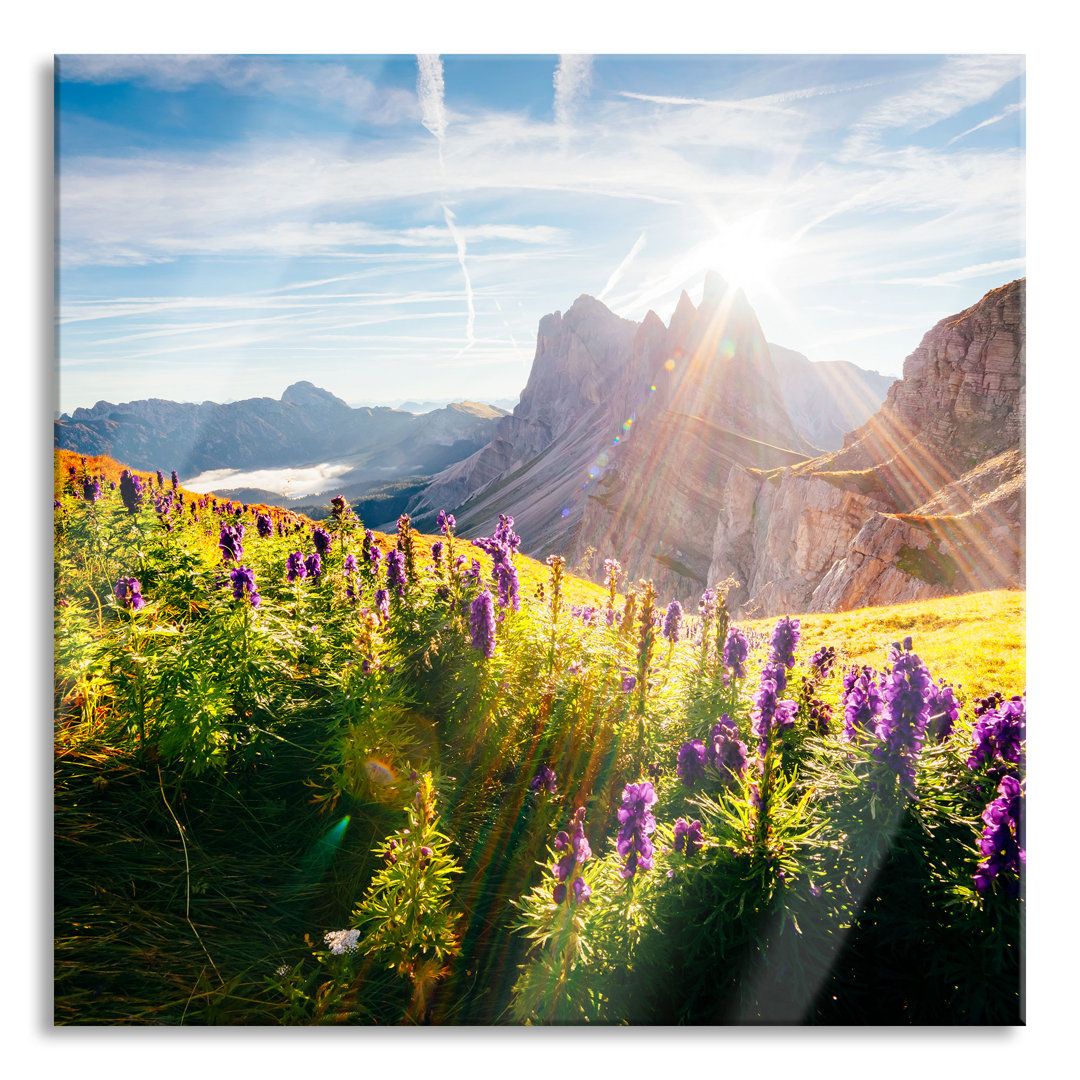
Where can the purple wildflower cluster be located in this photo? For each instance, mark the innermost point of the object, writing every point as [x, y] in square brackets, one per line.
[944, 712]
[690, 763]
[313, 566]
[785, 638]
[636, 823]
[723, 753]
[243, 584]
[771, 713]
[91, 489]
[131, 491]
[263, 526]
[129, 592]
[322, 540]
[862, 702]
[1000, 841]
[230, 542]
[673, 618]
[294, 566]
[821, 663]
[1000, 733]
[445, 522]
[574, 851]
[687, 836]
[395, 571]
[501, 547]
[736, 649]
[482, 623]
[544, 780]
[901, 725]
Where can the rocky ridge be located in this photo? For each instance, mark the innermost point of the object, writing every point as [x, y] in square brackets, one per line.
[925, 499]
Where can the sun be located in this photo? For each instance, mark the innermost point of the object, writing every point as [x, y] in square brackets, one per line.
[744, 253]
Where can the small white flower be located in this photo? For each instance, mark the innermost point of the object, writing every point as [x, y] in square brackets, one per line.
[341, 941]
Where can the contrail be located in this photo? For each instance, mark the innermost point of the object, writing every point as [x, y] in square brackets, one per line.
[431, 90]
[571, 82]
[621, 268]
[459, 240]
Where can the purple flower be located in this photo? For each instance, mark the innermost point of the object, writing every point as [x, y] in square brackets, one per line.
[862, 703]
[263, 526]
[575, 851]
[131, 491]
[129, 592]
[229, 541]
[770, 712]
[1002, 837]
[612, 570]
[545, 779]
[628, 683]
[160, 479]
[785, 638]
[395, 571]
[1000, 732]
[175, 480]
[636, 823]
[437, 552]
[690, 764]
[901, 726]
[736, 649]
[322, 540]
[821, 663]
[725, 752]
[313, 565]
[501, 547]
[482, 624]
[687, 836]
[444, 522]
[382, 603]
[944, 712]
[243, 583]
[672, 621]
[295, 566]
[707, 604]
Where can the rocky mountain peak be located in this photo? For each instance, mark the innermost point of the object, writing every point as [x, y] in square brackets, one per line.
[306, 393]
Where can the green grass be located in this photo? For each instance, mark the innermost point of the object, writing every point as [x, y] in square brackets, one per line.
[976, 641]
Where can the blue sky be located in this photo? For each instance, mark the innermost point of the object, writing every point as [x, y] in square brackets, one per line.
[395, 227]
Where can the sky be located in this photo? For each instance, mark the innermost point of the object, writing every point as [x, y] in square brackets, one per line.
[393, 227]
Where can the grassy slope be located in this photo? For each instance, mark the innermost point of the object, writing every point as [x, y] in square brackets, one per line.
[976, 641]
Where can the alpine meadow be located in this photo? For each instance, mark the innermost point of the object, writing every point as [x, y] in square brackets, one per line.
[666, 675]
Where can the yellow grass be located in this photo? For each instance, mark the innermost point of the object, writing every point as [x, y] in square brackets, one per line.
[976, 641]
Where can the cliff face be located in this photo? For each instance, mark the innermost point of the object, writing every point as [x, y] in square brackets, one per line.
[924, 499]
[714, 402]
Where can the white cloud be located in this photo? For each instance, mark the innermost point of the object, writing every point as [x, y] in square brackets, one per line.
[996, 269]
[959, 83]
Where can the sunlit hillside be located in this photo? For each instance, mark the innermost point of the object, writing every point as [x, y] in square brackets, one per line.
[309, 774]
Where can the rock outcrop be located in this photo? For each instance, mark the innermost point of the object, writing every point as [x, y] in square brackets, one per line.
[926, 498]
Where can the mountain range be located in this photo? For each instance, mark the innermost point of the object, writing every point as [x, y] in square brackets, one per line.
[694, 452]
[306, 426]
[676, 450]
